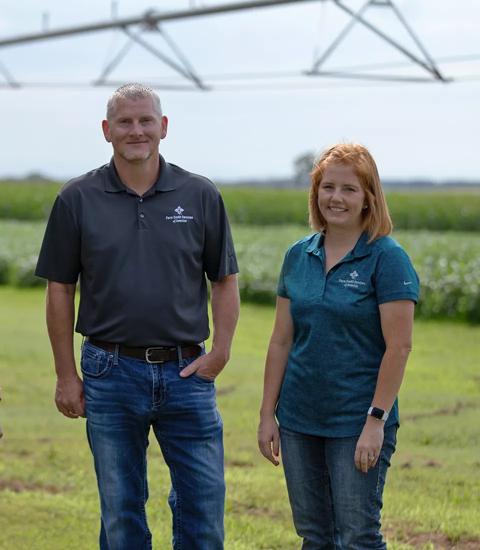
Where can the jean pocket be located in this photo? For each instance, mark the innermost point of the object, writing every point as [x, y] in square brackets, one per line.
[196, 376]
[95, 364]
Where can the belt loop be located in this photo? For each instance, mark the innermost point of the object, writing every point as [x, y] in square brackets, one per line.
[115, 355]
[83, 342]
[180, 357]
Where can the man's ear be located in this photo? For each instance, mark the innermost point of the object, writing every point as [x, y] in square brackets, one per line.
[106, 130]
[163, 135]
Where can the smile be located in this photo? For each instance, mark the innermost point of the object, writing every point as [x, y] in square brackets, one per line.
[336, 209]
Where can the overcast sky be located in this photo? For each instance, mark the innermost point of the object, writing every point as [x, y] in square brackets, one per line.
[427, 130]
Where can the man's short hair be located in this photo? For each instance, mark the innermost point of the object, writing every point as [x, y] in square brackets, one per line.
[134, 91]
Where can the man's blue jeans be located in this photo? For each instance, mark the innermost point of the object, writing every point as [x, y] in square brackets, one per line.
[334, 505]
[124, 398]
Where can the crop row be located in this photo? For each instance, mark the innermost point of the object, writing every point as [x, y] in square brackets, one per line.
[448, 264]
[437, 210]
[27, 201]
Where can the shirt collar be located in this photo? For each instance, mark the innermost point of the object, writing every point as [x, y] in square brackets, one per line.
[361, 248]
[165, 180]
[316, 244]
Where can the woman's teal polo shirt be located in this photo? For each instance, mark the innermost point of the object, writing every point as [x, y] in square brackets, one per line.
[338, 344]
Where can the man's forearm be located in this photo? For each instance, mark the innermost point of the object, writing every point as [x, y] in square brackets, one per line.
[60, 320]
[225, 311]
[69, 396]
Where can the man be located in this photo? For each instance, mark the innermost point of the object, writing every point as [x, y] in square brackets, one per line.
[141, 234]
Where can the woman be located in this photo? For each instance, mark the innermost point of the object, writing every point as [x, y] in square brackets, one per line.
[337, 355]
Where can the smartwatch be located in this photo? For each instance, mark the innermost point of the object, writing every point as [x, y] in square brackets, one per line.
[378, 413]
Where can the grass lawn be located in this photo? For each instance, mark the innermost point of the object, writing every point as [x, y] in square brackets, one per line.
[48, 498]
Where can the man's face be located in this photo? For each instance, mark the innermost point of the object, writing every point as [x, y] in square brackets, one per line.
[135, 130]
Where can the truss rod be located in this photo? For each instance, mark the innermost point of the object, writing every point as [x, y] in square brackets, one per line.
[114, 62]
[375, 77]
[392, 42]
[149, 20]
[415, 38]
[106, 84]
[164, 58]
[321, 60]
[8, 77]
[183, 59]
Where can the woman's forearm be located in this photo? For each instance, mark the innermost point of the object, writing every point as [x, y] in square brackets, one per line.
[397, 325]
[275, 366]
[390, 376]
[277, 356]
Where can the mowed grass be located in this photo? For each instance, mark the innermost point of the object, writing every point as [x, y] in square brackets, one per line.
[48, 498]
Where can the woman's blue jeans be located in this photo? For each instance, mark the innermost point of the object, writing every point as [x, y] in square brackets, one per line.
[334, 505]
[124, 398]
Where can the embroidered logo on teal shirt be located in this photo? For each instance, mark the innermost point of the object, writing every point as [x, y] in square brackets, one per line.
[353, 282]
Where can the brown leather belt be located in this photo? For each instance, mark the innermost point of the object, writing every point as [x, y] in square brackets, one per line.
[153, 354]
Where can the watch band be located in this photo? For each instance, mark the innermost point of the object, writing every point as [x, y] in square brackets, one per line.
[378, 413]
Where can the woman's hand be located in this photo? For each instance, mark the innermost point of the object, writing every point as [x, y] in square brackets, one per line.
[269, 438]
[369, 444]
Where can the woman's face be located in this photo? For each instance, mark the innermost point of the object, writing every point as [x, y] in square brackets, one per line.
[341, 198]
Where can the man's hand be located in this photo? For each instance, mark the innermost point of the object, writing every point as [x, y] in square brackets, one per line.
[269, 439]
[69, 396]
[206, 366]
[369, 444]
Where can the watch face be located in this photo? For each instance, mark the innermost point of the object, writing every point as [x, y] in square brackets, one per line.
[377, 413]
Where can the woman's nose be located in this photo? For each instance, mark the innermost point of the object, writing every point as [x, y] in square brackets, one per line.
[336, 194]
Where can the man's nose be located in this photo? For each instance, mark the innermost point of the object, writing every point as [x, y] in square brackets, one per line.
[136, 129]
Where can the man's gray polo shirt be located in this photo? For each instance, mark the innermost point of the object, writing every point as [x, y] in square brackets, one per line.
[141, 260]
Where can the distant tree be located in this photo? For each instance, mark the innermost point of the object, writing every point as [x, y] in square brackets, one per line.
[36, 176]
[302, 166]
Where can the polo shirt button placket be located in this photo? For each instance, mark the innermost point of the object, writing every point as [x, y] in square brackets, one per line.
[141, 214]
[326, 279]
[324, 275]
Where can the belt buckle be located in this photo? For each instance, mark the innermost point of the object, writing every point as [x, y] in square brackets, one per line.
[148, 353]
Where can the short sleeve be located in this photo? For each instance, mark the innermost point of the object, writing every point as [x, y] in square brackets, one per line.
[219, 259]
[59, 258]
[282, 287]
[395, 277]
